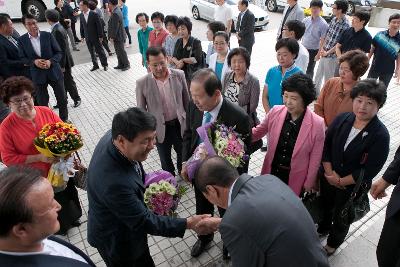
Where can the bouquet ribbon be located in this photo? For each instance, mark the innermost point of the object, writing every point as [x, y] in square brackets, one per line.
[61, 171]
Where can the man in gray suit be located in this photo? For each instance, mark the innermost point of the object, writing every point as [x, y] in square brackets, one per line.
[116, 34]
[265, 223]
[293, 11]
[163, 92]
[245, 26]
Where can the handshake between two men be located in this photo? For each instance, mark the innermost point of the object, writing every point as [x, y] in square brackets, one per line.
[203, 224]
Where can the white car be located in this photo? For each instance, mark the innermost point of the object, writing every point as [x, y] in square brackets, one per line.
[204, 9]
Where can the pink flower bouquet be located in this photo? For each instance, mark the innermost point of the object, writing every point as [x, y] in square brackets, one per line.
[218, 139]
[162, 194]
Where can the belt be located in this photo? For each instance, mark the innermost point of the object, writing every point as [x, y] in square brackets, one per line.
[171, 122]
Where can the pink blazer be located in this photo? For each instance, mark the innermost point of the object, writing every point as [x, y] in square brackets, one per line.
[307, 153]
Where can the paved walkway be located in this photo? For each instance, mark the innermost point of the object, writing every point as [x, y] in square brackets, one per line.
[106, 93]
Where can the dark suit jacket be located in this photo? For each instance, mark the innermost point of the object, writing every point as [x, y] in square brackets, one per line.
[116, 26]
[60, 34]
[50, 50]
[11, 63]
[47, 260]
[373, 140]
[63, 15]
[229, 114]
[268, 225]
[119, 220]
[392, 175]
[92, 30]
[245, 29]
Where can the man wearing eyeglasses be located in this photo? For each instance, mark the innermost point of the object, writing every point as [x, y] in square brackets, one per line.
[163, 92]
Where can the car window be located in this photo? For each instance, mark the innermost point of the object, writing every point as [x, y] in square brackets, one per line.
[232, 2]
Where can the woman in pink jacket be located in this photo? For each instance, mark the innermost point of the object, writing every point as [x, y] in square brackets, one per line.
[295, 136]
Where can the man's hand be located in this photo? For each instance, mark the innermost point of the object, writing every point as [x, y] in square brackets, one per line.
[48, 64]
[184, 173]
[192, 221]
[207, 225]
[323, 53]
[378, 188]
[40, 63]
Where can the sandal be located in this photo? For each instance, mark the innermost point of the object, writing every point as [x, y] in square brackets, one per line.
[329, 251]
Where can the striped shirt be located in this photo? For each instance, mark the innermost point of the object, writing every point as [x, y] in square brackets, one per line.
[336, 27]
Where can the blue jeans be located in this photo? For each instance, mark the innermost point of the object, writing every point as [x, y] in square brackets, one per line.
[172, 138]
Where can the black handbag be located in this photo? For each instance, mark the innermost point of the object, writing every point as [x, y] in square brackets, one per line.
[356, 207]
[358, 204]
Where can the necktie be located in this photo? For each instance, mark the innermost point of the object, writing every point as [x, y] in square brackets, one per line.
[138, 170]
[240, 20]
[206, 117]
[13, 41]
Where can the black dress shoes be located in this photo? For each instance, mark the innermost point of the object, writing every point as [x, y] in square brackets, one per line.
[105, 68]
[94, 68]
[56, 107]
[199, 247]
[225, 253]
[117, 67]
[125, 68]
[77, 103]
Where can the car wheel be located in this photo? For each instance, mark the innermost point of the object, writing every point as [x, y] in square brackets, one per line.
[271, 5]
[351, 9]
[35, 8]
[195, 12]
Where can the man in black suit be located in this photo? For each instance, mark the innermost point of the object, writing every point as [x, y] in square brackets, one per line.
[117, 35]
[11, 64]
[119, 220]
[28, 219]
[92, 33]
[208, 105]
[41, 52]
[388, 250]
[67, 61]
[245, 26]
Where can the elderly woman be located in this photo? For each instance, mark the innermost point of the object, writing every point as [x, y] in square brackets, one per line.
[219, 60]
[335, 94]
[158, 34]
[354, 141]
[188, 53]
[239, 85]
[295, 136]
[287, 50]
[16, 142]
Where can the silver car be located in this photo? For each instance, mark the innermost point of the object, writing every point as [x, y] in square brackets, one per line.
[204, 9]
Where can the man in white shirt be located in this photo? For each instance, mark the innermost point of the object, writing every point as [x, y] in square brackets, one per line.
[223, 13]
[295, 29]
[28, 218]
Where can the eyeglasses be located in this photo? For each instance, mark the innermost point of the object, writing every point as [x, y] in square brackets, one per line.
[285, 29]
[19, 102]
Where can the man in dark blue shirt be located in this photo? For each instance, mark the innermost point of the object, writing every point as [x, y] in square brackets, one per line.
[385, 49]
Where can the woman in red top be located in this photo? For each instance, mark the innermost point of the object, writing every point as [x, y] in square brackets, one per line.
[17, 132]
[158, 34]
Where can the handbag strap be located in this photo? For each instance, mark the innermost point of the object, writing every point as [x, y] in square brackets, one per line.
[78, 157]
[360, 176]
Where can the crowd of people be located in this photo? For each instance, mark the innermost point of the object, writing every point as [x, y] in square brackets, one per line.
[335, 148]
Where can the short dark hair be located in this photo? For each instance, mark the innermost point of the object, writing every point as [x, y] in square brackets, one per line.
[131, 122]
[56, 2]
[316, 3]
[157, 15]
[239, 51]
[15, 184]
[155, 51]
[209, 79]
[185, 21]
[52, 15]
[92, 5]
[15, 85]
[170, 19]
[142, 14]
[113, 2]
[291, 44]
[244, 2]
[215, 171]
[27, 16]
[222, 34]
[3, 20]
[342, 5]
[371, 88]
[363, 16]
[216, 26]
[301, 84]
[357, 60]
[85, 2]
[5, 15]
[394, 16]
[297, 27]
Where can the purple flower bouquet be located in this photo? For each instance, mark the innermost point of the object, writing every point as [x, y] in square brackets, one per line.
[162, 193]
[218, 139]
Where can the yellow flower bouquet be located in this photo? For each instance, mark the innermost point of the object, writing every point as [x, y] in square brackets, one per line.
[59, 140]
